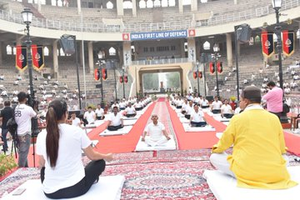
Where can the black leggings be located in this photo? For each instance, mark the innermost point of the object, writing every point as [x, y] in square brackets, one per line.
[198, 124]
[114, 128]
[92, 173]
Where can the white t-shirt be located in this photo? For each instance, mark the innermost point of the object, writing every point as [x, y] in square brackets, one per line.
[226, 109]
[204, 102]
[155, 131]
[69, 168]
[216, 105]
[130, 110]
[90, 116]
[76, 122]
[189, 110]
[115, 119]
[197, 116]
[99, 112]
[23, 115]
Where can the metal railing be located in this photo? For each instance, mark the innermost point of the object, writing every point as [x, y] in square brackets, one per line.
[160, 61]
[142, 26]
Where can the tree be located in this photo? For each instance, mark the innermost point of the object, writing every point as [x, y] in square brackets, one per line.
[150, 81]
[173, 80]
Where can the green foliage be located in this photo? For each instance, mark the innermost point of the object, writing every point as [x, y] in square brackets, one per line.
[150, 81]
[173, 80]
[7, 163]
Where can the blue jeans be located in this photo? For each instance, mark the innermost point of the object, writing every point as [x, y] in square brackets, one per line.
[4, 135]
[23, 150]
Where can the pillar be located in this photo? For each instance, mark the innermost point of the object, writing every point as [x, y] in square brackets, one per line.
[39, 5]
[120, 9]
[2, 49]
[91, 56]
[55, 59]
[79, 6]
[194, 5]
[127, 53]
[229, 49]
[134, 8]
[191, 49]
[81, 53]
[235, 2]
[180, 6]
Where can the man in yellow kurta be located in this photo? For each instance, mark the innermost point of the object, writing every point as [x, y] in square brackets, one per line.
[258, 146]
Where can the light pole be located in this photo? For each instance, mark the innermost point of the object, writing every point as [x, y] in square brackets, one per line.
[27, 19]
[101, 57]
[216, 56]
[298, 36]
[198, 89]
[276, 6]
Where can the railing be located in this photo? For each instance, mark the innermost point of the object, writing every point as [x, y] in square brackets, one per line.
[159, 61]
[142, 26]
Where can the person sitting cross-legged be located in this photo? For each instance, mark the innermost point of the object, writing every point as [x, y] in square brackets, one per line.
[226, 110]
[216, 105]
[99, 112]
[157, 133]
[258, 146]
[115, 120]
[130, 111]
[197, 117]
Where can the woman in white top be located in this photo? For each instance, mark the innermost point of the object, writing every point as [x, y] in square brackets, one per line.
[59, 149]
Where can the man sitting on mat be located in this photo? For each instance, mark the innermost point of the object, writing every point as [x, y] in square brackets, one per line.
[204, 103]
[90, 115]
[226, 110]
[216, 106]
[184, 105]
[115, 120]
[188, 110]
[99, 112]
[138, 105]
[130, 111]
[197, 118]
[258, 146]
[157, 133]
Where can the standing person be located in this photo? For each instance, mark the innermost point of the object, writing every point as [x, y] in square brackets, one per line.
[99, 113]
[274, 99]
[5, 114]
[90, 115]
[156, 131]
[59, 149]
[23, 116]
[258, 146]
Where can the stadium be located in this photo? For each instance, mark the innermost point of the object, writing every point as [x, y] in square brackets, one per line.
[153, 55]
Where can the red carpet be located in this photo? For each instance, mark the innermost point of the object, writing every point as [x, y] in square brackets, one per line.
[193, 140]
[292, 142]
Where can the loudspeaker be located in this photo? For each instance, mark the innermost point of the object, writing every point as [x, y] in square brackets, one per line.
[244, 33]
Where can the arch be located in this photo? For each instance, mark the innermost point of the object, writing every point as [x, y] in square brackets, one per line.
[149, 4]
[112, 51]
[8, 50]
[127, 5]
[46, 51]
[142, 4]
[172, 3]
[109, 5]
[157, 3]
[164, 3]
[186, 2]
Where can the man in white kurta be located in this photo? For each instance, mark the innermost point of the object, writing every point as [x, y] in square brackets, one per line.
[156, 132]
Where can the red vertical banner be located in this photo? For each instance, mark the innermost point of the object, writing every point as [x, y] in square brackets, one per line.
[219, 67]
[21, 58]
[37, 57]
[212, 67]
[200, 74]
[121, 79]
[96, 74]
[126, 79]
[195, 75]
[288, 42]
[267, 43]
[104, 74]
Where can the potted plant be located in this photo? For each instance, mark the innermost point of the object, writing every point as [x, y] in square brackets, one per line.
[7, 165]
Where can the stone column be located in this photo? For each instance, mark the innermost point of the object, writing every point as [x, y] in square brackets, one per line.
[194, 5]
[191, 49]
[39, 5]
[55, 59]
[127, 53]
[120, 9]
[91, 56]
[134, 8]
[229, 49]
[79, 6]
[235, 2]
[180, 6]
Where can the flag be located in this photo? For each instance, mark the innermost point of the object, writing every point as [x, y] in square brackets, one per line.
[200, 74]
[220, 67]
[212, 67]
[126, 79]
[288, 42]
[121, 79]
[21, 58]
[97, 74]
[195, 75]
[267, 43]
[37, 57]
[104, 74]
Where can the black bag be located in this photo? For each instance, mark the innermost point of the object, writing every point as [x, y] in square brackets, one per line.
[12, 127]
[286, 108]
